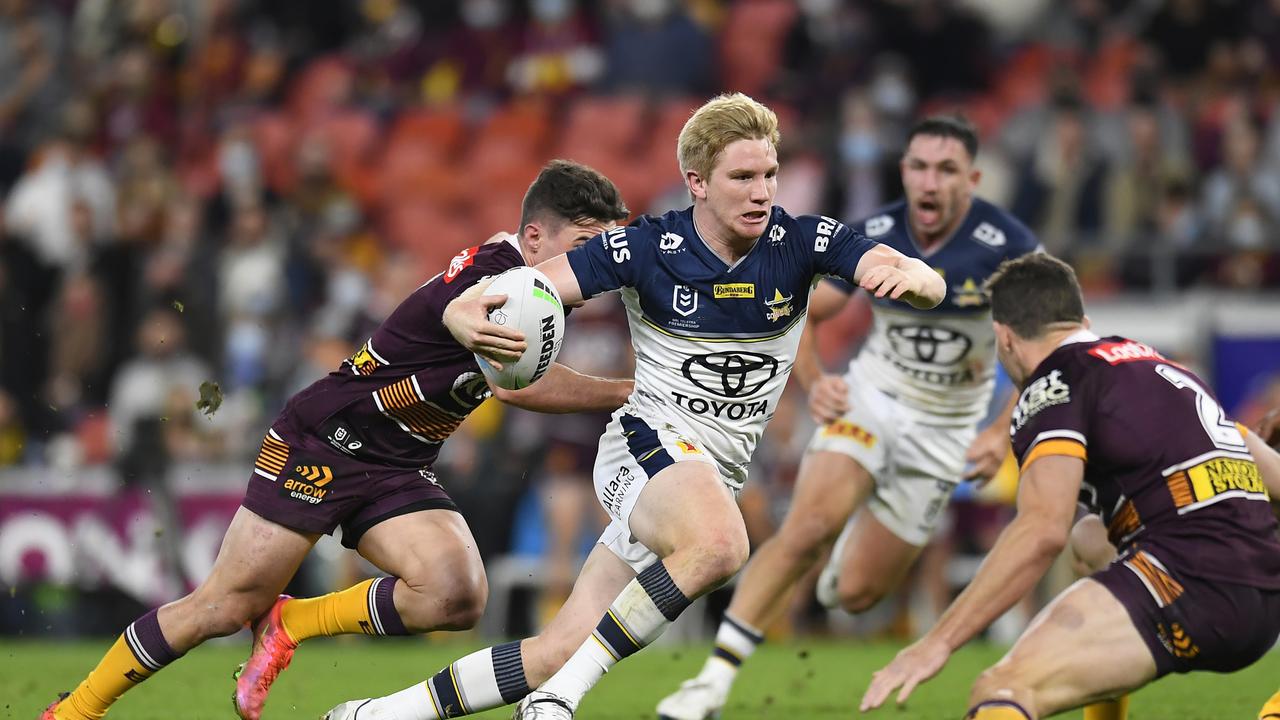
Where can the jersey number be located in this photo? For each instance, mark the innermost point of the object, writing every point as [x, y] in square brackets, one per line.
[1220, 430]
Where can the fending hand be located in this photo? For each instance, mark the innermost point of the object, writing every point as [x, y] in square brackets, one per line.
[467, 318]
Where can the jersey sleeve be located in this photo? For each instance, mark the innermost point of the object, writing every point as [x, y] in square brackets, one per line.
[1052, 416]
[465, 269]
[836, 248]
[608, 261]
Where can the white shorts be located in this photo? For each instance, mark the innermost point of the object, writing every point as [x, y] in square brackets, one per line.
[915, 467]
[633, 449]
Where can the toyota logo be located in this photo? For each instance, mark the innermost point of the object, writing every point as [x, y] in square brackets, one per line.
[936, 345]
[730, 374]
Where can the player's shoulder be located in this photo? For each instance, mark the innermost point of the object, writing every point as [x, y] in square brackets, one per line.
[493, 256]
[884, 221]
[994, 227]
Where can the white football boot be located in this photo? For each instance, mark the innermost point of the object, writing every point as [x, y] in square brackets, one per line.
[826, 590]
[350, 711]
[539, 705]
[697, 699]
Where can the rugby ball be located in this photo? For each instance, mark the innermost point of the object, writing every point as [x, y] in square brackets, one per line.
[533, 307]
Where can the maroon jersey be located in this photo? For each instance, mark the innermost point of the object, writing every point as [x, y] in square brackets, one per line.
[1165, 468]
[411, 384]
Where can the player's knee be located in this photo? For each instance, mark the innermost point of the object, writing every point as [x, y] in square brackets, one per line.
[804, 540]
[999, 683]
[718, 556]
[857, 594]
[455, 603]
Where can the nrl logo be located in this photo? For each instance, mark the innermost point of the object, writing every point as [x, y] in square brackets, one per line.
[779, 306]
[775, 234]
[684, 300]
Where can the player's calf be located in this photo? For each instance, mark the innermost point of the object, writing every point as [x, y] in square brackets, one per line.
[999, 694]
[456, 604]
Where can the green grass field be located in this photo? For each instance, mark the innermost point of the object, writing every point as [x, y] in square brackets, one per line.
[795, 681]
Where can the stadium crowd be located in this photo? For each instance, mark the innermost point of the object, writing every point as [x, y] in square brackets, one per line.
[238, 192]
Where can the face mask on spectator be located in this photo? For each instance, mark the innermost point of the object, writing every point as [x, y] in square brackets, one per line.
[484, 14]
[551, 11]
[650, 9]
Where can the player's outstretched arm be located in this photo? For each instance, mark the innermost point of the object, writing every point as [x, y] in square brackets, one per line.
[467, 318]
[1046, 510]
[565, 390]
[888, 273]
[828, 394]
[560, 273]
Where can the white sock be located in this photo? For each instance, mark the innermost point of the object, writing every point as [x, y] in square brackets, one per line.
[640, 613]
[735, 642]
[483, 680]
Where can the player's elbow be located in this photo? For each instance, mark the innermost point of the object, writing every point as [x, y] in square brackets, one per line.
[1049, 540]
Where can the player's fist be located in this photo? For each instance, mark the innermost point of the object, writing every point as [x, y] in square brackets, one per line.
[828, 399]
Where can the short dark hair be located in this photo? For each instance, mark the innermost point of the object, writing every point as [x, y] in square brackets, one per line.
[953, 125]
[573, 192]
[1032, 292]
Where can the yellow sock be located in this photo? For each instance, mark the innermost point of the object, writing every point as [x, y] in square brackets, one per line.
[1271, 710]
[997, 710]
[358, 609]
[118, 671]
[1117, 709]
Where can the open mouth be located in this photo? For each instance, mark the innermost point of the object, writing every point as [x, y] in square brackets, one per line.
[928, 212]
[755, 216]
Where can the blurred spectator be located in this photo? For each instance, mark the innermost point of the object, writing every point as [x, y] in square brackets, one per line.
[39, 209]
[251, 293]
[559, 50]
[31, 84]
[163, 378]
[656, 46]
[1060, 191]
[475, 54]
[826, 49]
[948, 48]
[12, 434]
[1142, 164]
[1241, 199]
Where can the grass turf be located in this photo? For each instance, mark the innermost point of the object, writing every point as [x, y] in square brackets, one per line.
[795, 681]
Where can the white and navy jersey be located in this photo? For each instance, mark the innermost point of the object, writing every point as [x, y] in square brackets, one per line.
[940, 363]
[714, 342]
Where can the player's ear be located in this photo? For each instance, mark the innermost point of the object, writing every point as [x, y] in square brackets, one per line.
[1004, 336]
[975, 176]
[1086, 322]
[697, 185]
[531, 236]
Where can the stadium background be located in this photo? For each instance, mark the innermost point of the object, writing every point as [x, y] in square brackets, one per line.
[237, 192]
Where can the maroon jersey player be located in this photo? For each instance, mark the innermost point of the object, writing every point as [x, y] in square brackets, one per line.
[355, 451]
[1142, 442]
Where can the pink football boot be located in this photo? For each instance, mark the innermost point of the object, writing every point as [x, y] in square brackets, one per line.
[272, 651]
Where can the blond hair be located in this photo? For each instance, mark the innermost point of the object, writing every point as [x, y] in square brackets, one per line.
[721, 121]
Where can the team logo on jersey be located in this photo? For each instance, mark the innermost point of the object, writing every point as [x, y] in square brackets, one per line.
[341, 437]
[879, 225]
[365, 360]
[670, 242]
[684, 300]
[1045, 392]
[853, 431]
[460, 263]
[779, 307]
[730, 373]
[929, 344]
[307, 483]
[1130, 351]
[776, 233]
[734, 290]
[688, 448]
[470, 389]
[968, 294]
[989, 234]
[429, 476]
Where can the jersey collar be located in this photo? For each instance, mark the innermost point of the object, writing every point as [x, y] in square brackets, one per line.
[1079, 336]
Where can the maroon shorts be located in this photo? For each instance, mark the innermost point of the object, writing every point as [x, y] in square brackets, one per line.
[301, 483]
[1190, 623]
